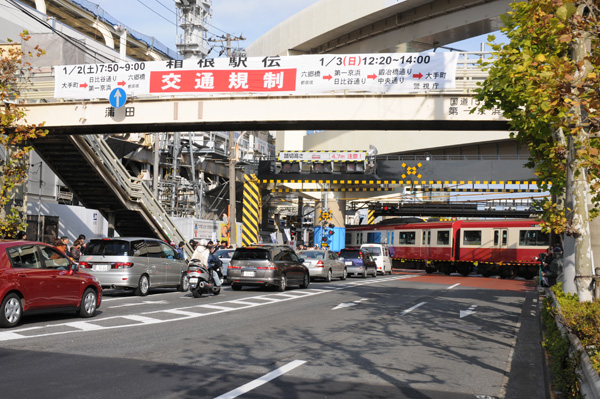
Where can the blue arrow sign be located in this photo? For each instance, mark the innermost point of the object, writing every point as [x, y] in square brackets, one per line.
[117, 97]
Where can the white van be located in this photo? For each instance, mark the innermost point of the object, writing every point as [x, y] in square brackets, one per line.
[381, 254]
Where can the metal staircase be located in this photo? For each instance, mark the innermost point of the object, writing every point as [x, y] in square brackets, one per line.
[88, 166]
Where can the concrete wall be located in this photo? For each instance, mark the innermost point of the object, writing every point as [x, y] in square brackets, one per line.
[388, 142]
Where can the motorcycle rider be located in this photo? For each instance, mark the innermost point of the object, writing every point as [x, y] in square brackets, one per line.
[201, 252]
[213, 261]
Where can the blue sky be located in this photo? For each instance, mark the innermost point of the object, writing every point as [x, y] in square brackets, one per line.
[252, 18]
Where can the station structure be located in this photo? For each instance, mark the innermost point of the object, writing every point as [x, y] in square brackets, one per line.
[171, 160]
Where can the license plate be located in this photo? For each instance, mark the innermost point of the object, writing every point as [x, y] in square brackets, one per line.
[349, 263]
[193, 280]
[248, 274]
[102, 268]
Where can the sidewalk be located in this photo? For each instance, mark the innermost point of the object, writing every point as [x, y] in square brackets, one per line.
[528, 377]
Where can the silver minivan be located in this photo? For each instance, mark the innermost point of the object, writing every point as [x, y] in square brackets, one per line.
[134, 262]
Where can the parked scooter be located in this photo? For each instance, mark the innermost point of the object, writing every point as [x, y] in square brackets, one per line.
[202, 281]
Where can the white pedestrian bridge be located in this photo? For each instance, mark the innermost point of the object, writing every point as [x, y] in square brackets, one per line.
[448, 109]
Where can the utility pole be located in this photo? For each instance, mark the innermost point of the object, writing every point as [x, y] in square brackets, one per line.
[232, 162]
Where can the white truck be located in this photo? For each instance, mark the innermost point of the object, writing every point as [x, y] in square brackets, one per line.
[381, 254]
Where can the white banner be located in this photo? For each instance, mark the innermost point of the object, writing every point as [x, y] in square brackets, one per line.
[305, 74]
[322, 156]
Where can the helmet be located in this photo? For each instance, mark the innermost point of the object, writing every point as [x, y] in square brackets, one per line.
[202, 242]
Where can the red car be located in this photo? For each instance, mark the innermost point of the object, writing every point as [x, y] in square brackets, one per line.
[38, 277]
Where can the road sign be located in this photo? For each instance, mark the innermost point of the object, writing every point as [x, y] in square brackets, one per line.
[117, 97]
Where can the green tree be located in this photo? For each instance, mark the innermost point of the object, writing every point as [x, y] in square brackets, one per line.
[15, 134]
[545, 80]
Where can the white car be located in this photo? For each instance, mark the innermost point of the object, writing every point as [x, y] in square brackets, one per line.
[225, 256]
[325, 264]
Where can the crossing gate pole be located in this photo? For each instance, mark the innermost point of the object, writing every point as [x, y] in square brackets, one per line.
[251, 210]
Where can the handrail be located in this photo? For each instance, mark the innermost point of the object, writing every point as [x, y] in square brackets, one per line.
[136, 189]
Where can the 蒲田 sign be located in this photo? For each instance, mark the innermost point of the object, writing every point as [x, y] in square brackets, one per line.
[306, 74]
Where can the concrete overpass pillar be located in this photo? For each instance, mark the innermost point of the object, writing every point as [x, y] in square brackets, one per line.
[251, 211]
[336, 208]
[111, 224]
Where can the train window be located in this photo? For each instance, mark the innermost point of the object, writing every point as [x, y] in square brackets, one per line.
[407, 238]
[443, 237]
[496, 237]
[472, 237]
[534, 238]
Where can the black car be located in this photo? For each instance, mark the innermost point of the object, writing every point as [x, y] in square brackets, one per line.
[267, 266]
[358, 262]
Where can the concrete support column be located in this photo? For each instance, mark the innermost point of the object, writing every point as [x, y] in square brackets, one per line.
[111, 224]
[40, 5]
[123, 45]
[299, 221]
[336, 208]
[251, 211]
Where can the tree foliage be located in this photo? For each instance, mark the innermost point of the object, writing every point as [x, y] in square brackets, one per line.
[15, 133]
[549, 98]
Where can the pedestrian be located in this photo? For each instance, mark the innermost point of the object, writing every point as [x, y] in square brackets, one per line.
[21, 235]
[65, 240]
[545, 258]
[75, 251]
[180, 251]
[83, 243]
[554, 274]
[61, 246]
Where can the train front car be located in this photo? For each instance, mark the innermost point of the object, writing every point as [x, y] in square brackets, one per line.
[502, 247]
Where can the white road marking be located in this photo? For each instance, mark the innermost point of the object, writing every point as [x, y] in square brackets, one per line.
[142, 319]
[413, 308]
[262, 380]
[136, 304]
[186, 313]
[84, 325]
[468, 312]
[344, 305]
[453, 286]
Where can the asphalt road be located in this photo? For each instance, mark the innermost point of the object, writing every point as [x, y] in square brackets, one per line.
[401, 336]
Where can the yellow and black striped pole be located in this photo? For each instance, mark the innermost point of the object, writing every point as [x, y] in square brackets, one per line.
[251, 210]
[371, 219]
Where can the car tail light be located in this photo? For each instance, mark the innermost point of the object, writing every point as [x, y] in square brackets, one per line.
[234, 267]
[320, 264]
[85, 265]
[121, 265]
[269, 267]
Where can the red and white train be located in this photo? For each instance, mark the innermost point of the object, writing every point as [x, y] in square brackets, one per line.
[491, 247]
